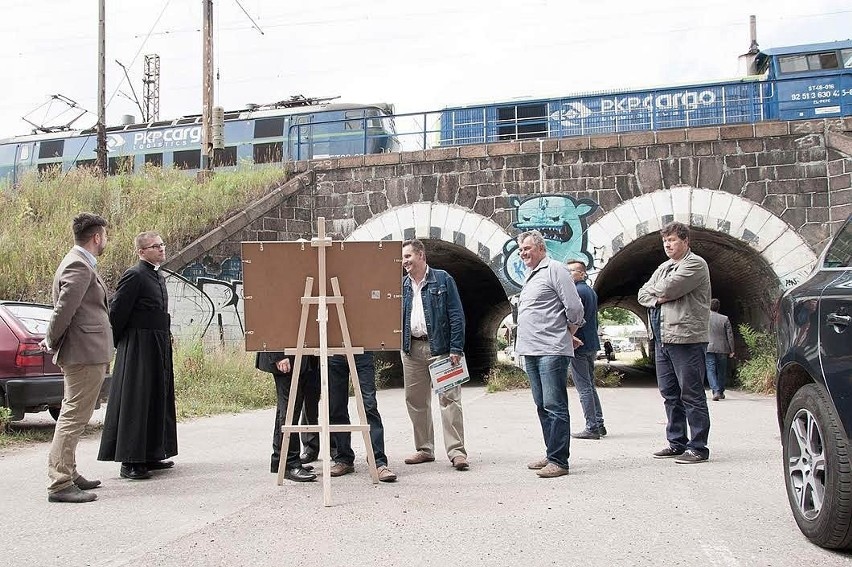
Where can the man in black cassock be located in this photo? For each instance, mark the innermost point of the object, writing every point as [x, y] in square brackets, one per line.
[140, 428]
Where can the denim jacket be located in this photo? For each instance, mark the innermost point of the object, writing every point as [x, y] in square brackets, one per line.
[443, 311]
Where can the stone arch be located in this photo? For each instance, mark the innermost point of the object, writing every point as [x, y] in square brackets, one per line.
[470, 247]
[440, 221]
[786, 253]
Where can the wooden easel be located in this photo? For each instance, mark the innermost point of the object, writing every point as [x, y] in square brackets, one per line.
[321, 242]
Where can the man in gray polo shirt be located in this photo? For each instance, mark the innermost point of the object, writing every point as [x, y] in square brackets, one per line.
[549, 311]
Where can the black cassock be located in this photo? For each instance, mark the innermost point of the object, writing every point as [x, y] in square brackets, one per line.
[140, 423]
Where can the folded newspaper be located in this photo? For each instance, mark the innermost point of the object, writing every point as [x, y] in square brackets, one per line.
[445, 375]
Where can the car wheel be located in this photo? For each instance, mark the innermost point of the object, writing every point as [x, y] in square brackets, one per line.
[817, 471]
[54, 411]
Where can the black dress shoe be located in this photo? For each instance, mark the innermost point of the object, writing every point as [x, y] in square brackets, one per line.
[159, 465]
[84, 484]
[299, 474]
[308, 457]
[134, 471]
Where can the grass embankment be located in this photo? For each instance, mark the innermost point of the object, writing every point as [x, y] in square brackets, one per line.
[36, 229]
[36, 233]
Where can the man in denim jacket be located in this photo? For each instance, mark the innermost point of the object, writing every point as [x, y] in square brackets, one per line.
[432, 327]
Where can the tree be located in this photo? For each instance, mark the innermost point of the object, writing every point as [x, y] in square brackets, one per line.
[616, 316]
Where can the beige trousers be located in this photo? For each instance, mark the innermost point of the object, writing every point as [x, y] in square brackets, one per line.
[418, 398]
[82, 386]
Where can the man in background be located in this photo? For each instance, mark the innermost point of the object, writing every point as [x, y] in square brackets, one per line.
[140, 427]
[79, 334]
[586, 346]
[280, 367]
[338, 396]
[719, 349]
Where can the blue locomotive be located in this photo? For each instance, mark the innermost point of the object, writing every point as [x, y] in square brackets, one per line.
[791, 83]
[295, 129]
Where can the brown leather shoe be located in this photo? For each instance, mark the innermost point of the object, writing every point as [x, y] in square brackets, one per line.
[538, 465]
[71, 494]
[552, 470]
[340, 469]
[460, 463]
[385, 474]
[419, 457]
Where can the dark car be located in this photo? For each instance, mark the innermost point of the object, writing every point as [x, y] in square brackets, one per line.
[814, 396]
[29, 381]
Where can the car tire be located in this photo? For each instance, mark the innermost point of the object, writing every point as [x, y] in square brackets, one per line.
[54, 411]
[817, 470]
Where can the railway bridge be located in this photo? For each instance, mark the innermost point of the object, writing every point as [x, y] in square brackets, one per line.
[762, 201]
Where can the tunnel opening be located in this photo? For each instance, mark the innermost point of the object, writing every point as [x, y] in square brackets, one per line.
[740, 277]
[485, 306]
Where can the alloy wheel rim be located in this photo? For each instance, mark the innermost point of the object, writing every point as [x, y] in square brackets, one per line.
[806, 463]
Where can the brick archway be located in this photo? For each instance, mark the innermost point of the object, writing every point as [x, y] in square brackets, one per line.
[785, 252]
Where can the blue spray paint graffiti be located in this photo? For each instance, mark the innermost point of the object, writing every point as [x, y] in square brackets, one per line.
[562, 221]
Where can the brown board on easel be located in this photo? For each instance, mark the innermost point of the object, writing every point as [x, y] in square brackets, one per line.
[370, 276]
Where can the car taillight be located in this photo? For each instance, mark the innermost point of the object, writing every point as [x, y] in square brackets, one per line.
[29, 355]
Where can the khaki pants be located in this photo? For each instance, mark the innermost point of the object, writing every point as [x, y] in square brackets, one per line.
[82, 386]
[418, 398]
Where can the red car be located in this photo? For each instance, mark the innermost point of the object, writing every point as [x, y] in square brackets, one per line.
[29, 381]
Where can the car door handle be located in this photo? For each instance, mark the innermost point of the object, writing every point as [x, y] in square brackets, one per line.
[838, 319]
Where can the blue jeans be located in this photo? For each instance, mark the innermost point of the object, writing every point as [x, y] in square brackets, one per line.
[338, 398]
[717, 370]
[680, 377]
[583, 371]
[549, 383]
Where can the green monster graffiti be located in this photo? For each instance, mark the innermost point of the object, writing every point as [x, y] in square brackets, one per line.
[562, 221]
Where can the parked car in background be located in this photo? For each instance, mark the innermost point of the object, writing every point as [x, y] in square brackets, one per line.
[29, 380]
[814, 396]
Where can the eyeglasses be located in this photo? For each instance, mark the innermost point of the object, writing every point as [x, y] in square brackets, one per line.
[159, 245]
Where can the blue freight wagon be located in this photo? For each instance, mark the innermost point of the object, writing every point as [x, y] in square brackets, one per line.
[801, 82]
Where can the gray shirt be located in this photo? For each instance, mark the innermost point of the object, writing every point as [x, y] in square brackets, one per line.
[721, 334]
[548, 304]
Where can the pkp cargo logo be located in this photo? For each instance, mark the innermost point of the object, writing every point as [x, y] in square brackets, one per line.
[114, 141]
[570, 112]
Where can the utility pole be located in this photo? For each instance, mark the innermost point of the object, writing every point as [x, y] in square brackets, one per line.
[207, 103]
[101, 150]
[151, 93]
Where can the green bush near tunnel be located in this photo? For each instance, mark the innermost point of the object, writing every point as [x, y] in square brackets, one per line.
[757, 373]
[504, 376]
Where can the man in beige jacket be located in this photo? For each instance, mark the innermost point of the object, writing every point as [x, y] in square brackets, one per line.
[678, 300]
[80, 335]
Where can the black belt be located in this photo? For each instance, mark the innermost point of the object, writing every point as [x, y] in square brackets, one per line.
[156, 320]
[423, 338]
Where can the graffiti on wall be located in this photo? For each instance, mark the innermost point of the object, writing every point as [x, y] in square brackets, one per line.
[206, 301]
[561, 220]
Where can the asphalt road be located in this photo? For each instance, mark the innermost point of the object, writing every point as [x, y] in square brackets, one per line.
[221, 506]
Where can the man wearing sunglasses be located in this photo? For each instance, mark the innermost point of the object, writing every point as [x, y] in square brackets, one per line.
[140, 428]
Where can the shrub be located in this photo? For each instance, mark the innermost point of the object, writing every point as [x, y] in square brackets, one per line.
[218, 380]
[757, 374]
[607, 377]
[503, 376]
[5, 418]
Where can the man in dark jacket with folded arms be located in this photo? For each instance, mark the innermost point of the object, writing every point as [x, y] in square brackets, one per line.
[140, 428]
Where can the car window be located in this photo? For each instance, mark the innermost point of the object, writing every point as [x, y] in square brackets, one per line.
[33, 318]
[839, 254]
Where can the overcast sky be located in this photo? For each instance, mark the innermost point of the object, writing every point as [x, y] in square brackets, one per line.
[417, 55]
